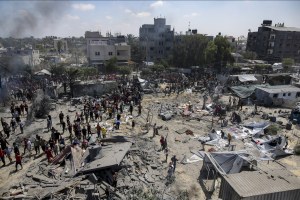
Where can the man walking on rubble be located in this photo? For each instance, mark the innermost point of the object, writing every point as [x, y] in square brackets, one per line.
[140, 108]
[174, 160]
[170, 171]
[61, 117]
[131, 108]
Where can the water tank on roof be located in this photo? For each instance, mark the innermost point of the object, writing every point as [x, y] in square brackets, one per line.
[267, 23]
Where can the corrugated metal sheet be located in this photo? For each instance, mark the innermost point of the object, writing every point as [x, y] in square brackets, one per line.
[279, 88]
[276, 185]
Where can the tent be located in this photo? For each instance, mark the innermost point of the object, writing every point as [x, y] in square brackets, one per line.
[243, 91]
[226, 162]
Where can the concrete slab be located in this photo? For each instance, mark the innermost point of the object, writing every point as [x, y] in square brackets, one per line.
[112, 156]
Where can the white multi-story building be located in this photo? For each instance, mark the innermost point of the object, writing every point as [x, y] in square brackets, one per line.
[101, 49]
[156, 39]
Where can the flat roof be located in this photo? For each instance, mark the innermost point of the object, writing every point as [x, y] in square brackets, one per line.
[278, 28]
[112, 155]
[279, 88]
[254, 183]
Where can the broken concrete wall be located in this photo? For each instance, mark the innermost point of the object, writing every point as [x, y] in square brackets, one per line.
[94, 88]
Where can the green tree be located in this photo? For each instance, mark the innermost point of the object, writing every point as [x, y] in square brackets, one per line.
[157, 68]
[57, 70]
[136, 50]
[124, 70]
[164, 63]
[287, 63]
[210, 53]
[111, 65]
[72, 74]
[249, 55]
[223, 54]
[59, 46]
[189, 50]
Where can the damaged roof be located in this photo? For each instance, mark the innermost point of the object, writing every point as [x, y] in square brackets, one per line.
[256, 183]
[278, 88]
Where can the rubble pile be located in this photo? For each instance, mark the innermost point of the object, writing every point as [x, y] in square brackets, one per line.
[73, 173]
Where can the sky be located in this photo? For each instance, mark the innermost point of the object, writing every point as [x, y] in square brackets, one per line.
[73, 18]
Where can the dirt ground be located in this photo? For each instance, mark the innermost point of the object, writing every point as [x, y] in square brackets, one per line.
[186, 175]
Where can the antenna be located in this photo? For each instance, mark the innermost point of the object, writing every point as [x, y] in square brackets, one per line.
[189, 25]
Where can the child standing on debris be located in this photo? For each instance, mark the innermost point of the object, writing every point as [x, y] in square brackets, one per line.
[18, 161]
[21, 127]
[103, 131]
[132, 124]
[56, 148]
[89, 132]
[167, 154]
[29, 146]
[37, 146]
[98, 130]
[49, 154]
[162, 142]
[229, 137]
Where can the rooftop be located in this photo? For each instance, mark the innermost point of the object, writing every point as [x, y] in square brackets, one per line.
[94, 34]
[254, 183]
[277, 28]
[279, 88]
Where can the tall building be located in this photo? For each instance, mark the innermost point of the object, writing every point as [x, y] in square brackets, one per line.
[273, 43]
[156, 40]
[101, 49]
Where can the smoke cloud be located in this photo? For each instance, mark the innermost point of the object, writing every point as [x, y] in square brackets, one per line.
[33, 20]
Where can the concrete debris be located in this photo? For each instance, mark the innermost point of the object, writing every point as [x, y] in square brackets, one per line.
[124, 144]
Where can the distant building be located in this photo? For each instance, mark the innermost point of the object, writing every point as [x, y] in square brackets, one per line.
[241, 44]
[28, 57]
[195, 32]
[156, 39]
[273, 43]
[232, 41]
[60, 45]
[101, 49]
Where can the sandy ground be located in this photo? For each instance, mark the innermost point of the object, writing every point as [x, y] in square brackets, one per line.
[180, 145]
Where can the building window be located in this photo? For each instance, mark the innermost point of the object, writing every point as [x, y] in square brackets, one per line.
[284, 94]
[118, 53]
[287, 45]
[298, 94]
[110, 53]
[275, 95]
[289, 94]
[97, 53]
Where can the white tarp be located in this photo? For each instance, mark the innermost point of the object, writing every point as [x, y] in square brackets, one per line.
[142, 80]
[246, 78]
[43, 72]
